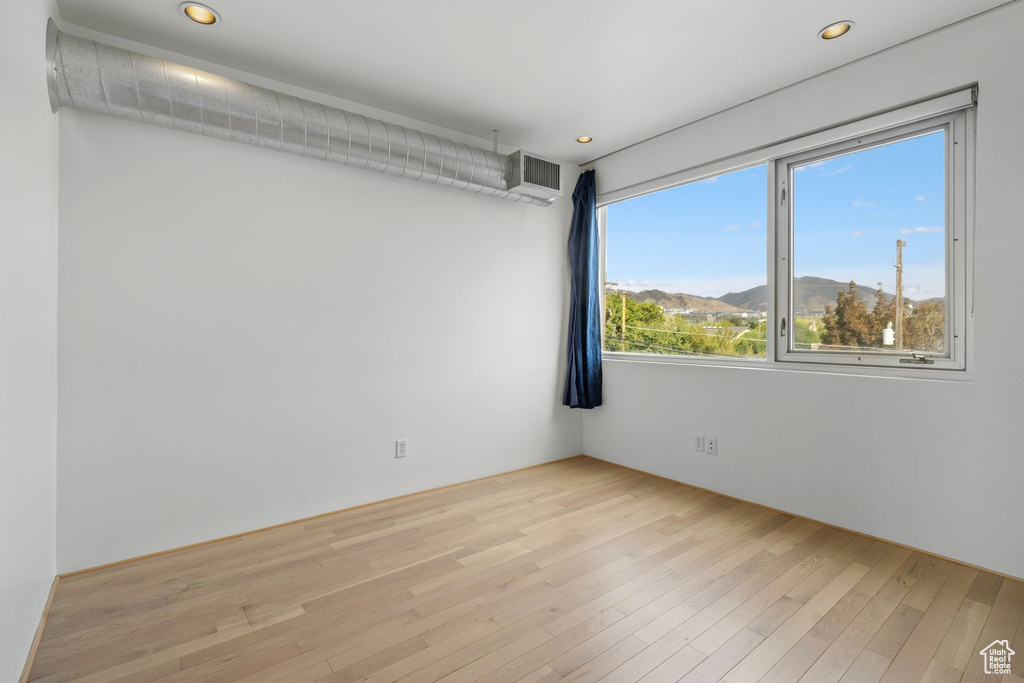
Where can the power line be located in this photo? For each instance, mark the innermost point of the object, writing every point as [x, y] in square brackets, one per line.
[676, 350]
[692, 334]
[680, 352]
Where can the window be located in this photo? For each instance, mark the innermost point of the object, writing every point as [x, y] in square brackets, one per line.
[869, 239]
[686, 271]
[846, 249]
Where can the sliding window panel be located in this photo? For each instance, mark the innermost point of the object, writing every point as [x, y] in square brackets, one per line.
[871, 248]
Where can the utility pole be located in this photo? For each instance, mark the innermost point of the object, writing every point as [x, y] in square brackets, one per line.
[899, 293]
[623, 336]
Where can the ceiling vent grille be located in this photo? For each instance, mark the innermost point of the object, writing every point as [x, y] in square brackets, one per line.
[540, 172]
[535, 176]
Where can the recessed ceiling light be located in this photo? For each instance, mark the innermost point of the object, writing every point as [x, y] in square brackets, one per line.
[835, 30]
[584, 139]
[201, 14]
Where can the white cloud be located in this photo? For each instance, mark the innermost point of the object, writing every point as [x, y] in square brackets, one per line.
[816, 164]
[712, 179]
[858, 233]
[707, 286]
[737, 226]
[907, 231]
[919, 198]
[842, 169]
[861, 202]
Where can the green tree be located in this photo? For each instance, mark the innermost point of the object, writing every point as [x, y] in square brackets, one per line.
[882, 314]
[849, 323]
[803, 335]
[649, 330]
[925, 328]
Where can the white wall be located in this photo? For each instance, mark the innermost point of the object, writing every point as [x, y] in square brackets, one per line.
[934, 465]
[244, 334]
[28, 337]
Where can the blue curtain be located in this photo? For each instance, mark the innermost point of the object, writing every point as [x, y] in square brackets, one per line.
[583, 375]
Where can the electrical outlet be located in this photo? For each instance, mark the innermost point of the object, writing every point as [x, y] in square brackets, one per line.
[712, 446]
[401, 448]
[698, 444]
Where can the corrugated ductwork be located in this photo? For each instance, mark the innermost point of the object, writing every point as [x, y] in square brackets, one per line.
[88, 75]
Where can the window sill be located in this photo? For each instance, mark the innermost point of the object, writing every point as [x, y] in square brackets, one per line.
[917, 374]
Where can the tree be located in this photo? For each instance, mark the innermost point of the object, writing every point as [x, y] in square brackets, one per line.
[803, 335]
[644, 325]
[849, 323]
[649, 330]
[883, 313]
[925, 329]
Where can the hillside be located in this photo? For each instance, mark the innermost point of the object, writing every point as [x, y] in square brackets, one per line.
[682, 301]
[810, 294]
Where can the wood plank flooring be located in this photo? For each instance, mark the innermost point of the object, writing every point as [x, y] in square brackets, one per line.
[574, 571]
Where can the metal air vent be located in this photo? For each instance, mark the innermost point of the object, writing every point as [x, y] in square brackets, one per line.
[535, 176]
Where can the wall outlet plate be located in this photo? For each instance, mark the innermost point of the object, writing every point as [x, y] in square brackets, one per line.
[713, 446]
[698, 444]
[401, 448]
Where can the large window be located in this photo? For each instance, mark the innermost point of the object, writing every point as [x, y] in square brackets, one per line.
[835, 251]
[871, 236]
[686, 269]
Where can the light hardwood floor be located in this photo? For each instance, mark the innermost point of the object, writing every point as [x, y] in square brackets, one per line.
[574, 571]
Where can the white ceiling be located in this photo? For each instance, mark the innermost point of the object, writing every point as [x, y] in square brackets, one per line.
[541, 71]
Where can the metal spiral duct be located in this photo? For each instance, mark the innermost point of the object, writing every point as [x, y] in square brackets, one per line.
[91, 76]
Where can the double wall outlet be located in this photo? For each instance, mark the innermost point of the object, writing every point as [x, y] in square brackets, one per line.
[401, 448]
[702, 445]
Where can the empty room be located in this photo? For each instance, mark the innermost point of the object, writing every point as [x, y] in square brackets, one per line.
[537, 341]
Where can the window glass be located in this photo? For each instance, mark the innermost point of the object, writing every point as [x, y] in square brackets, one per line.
[869, 249]
[688, 267]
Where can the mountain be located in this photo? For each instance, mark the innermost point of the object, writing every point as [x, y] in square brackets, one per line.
[755, 299]
[681, 301]
[810, 294]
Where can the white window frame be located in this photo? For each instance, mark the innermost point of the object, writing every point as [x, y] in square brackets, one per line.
[954, 110]
[958, 151]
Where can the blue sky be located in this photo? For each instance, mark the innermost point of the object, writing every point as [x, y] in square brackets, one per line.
[709, 237]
